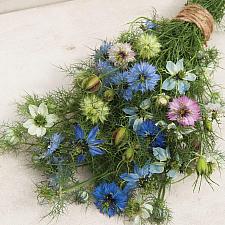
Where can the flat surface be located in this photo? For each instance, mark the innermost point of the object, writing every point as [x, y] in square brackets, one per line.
[13, 5]
[33, 42]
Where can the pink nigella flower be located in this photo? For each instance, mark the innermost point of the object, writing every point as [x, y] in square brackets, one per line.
[184, 110]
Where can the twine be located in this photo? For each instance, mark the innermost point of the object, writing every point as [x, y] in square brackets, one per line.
[195, 13]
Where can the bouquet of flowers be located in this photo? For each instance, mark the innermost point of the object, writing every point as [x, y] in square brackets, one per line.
[139, 116]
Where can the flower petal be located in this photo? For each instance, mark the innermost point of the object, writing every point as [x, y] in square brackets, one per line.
[51, 120]
[169, 84]
[183, 86]
[92, 135]
[28, 123]
[130, 177]
[95, 151]
[43, 109]
[78, 132]
[130, 110]
[190, 76]
[156, 168]
[33, 109]
[172, 68]
[40, 131]
[180, 65]
[145, 104]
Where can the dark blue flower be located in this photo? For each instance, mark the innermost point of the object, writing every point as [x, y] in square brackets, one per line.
[90, 142]
[149, 25]
[102, 52]
[121, 79]
[143, 77]
[141, 175]
[148, 129]
[110, 199]
[55, 142]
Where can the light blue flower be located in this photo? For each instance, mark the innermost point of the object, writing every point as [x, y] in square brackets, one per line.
[179, 78]
[90, 142]
[141, 175]
[149, 25]
[161, 154]
[102, 52]
[138, 115]
[143, 77]
[55, 142]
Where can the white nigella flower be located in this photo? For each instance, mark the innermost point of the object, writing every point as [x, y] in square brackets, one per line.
[40, 120]
[214, 109]
[179, 77]
[11, 137]
[121, 54]
[144, 212]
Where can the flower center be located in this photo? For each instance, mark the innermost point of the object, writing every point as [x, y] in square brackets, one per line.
[142, 77]
[180, 75]
[183, 112]
[40, 120]
[109, 201]
[122, 55]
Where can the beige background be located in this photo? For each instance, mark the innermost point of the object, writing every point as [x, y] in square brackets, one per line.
[32, 43]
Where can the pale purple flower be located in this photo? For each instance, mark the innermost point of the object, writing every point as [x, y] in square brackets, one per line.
[184, 110]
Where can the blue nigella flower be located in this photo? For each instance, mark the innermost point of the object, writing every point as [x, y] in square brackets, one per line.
[149, 129]
[110, 199]
[105, 68]
[149, 25]
[143, 77]
[102, 52]
[121, 79]
[141, 175]
[55, 142]
[90, 142]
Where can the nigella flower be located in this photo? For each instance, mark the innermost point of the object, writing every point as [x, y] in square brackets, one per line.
[179, 77]
[102, 52]
[137, 115]
[121, 54]
[147, 46]
[121, 79]
[110, 199]
[143, 77]
[184, 110]
[94, 108]
[150, 131]
[107, 70]
[90, 143]
[149, 25]
[141, 175]
[40, 120]
[55, 142]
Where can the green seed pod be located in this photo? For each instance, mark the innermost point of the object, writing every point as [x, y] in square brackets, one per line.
[109, 95]
[208, 125]
[202, 166]
[91, 84]
[128, 155]
[120, 136]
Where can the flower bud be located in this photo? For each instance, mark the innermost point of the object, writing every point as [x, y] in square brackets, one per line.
[208, 125]
[91, 84]
[202, 166]
[82, 196]
[162, 100]
[120, 136]
[128, 155]
[211, 167]
[109, 95]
